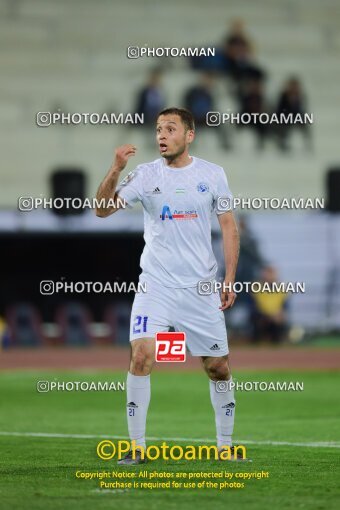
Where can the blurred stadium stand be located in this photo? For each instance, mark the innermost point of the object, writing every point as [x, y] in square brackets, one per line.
[25, 324]
[72, 56]
[68, 183]
[74, 322]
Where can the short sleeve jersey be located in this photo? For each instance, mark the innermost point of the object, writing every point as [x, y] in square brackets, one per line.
[178, 205]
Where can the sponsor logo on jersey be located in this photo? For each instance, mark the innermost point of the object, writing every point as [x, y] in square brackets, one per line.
[156, 191]
[167, 214]
[202, 187]
[215, 347]
[180, 190]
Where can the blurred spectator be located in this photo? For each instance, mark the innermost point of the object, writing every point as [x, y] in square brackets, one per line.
[269, 314]
[250, 261]
[252, 100]
[3, 333]
[292, 101]
[117, 316]
[249, 266]
[238, 54]
[211, 63]
[151, 99]
[2, 326]
[234, 57]
[25, 325]
[237, 36]
[199, 100]
[74, 322]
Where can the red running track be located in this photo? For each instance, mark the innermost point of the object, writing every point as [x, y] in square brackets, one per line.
[114, 358]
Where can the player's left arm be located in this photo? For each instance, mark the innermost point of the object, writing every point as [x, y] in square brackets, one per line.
[231, 248]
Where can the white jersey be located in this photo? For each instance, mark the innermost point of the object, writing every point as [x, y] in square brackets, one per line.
[178, 205]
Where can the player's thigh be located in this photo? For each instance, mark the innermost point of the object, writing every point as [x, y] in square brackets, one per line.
[151, 312]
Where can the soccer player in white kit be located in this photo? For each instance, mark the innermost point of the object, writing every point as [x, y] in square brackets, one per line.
[179, 194]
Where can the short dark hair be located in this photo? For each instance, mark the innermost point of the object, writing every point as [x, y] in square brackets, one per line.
[186, 116]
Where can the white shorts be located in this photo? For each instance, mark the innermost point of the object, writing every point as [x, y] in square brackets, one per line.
[198, 316]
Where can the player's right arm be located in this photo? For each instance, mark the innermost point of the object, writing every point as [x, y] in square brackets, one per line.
[107, 189]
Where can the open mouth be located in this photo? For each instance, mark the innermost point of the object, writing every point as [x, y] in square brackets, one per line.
[163, 147]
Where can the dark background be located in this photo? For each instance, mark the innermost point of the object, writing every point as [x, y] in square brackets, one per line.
[29, 258]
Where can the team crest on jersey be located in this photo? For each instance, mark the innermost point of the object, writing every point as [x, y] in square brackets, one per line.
[202, 187]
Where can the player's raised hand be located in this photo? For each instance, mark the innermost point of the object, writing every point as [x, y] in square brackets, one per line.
[228, 296]
[122, 155]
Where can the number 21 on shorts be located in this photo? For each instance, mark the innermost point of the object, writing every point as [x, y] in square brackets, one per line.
[140, 324]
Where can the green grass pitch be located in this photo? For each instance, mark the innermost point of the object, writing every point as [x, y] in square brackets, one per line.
[39, 472]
